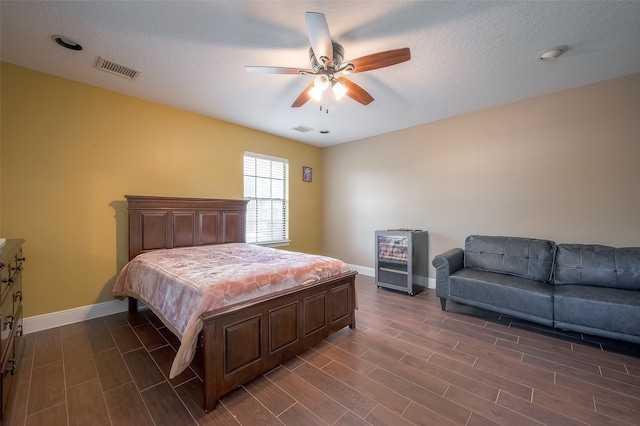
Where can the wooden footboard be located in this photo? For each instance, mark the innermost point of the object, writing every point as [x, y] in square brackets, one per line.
[244, 341]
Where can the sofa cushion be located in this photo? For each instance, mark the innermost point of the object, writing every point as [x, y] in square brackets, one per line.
[510, 295]
[590, 309]
[598, 265]
[522, 257]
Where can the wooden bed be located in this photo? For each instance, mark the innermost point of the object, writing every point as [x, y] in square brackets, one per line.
[242, 341]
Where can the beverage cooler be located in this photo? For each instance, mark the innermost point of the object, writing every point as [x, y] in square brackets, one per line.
[402, 260]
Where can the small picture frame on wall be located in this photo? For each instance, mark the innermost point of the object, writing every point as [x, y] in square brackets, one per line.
[306, 174]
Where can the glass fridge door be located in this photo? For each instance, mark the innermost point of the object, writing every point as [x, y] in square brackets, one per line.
[393, 262]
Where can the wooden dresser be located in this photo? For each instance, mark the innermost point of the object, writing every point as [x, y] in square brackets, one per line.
[11, 261]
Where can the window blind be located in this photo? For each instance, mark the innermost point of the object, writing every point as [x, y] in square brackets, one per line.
[266, 188]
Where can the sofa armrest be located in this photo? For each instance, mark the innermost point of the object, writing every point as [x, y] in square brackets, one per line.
[446, 264]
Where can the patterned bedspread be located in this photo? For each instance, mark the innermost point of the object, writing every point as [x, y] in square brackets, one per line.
[181, 284]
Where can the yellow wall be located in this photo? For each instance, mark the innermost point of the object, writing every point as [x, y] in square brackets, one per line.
[564, 166]
[70, 152]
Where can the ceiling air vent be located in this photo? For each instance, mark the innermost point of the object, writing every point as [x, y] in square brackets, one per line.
[107, 65]
[301, 128]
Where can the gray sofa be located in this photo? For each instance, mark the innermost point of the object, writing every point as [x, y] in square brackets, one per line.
[587, 288]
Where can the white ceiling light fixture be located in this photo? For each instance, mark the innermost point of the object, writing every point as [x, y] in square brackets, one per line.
[554, 53]
[322, 82]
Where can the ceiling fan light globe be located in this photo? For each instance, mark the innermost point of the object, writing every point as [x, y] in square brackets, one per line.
[322, 82]
[339, 89]
[316, 93]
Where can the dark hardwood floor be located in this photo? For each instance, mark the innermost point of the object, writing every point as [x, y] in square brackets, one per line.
[407, 362]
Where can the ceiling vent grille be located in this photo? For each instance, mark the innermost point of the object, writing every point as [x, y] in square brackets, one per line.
[301, 128]
[112, 67]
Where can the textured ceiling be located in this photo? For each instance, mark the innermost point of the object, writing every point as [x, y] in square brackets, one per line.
[466, 55]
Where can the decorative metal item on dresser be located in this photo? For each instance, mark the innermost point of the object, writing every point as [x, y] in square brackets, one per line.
[402, 260]
[11, 342]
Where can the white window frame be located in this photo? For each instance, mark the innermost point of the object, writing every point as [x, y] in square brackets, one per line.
[253, 230]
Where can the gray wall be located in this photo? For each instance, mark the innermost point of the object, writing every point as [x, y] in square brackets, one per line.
[564, 166]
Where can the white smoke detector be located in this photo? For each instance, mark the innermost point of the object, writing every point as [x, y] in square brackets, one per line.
[553, 53]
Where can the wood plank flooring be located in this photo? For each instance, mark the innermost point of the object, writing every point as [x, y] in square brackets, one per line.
[406, 363]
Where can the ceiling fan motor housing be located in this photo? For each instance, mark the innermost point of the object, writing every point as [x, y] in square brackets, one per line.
[338, 56]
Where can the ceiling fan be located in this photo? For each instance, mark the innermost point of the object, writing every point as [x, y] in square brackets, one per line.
[326, 63]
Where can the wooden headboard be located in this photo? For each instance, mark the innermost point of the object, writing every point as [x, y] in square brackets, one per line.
[168, 222]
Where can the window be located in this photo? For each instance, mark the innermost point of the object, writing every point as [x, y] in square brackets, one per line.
[266, 188]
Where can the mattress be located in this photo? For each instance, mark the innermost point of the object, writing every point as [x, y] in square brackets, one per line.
[180, 284]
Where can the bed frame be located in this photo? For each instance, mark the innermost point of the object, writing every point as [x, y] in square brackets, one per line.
[242, 341]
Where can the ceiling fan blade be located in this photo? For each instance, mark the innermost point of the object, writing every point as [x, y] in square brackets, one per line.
[277, 70]
[380, 60]
[356, 92]
[303, 98]
[319, 36]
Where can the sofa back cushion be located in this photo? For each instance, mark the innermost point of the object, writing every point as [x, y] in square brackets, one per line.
[523, 257]
[597, 265]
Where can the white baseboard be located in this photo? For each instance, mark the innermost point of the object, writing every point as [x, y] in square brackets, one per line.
[83, 313]
[431, 283]
[371, 272]
[70, 316]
